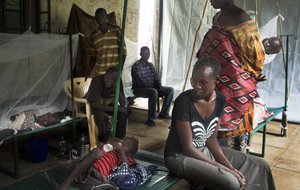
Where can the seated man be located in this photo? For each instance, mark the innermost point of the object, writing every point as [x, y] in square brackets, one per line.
[145, 84]
[102, 160]
[101, 97]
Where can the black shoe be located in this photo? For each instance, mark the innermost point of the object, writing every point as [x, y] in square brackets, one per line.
[150, 123]
[164, 116]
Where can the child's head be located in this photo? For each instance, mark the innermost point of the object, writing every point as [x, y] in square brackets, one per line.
[205, 76]
[272, 45]
[130, 145]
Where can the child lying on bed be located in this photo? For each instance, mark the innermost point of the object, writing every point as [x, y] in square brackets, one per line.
[105, 162]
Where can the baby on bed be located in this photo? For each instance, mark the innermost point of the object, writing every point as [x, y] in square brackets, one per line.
[106, 164]
[19, 123]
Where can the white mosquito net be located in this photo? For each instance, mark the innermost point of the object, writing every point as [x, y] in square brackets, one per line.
[32, 70]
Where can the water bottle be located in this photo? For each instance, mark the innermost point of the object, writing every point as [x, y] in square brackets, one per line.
[83, 146]
[62, 147]
[108, 147]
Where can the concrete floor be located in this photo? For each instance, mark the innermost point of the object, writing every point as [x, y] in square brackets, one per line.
[282, 153]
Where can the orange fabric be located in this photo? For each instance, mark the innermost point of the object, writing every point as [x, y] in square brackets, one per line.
[252, 50]
[109, 161]
[252, 57]
[245, 126]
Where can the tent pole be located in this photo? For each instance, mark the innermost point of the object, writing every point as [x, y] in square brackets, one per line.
[159, 37]
[256, 12]
[119, 70]
[194, 44]
[280, 30]
[72, 83]
[284, 122]
[284, 116]
[285, 63]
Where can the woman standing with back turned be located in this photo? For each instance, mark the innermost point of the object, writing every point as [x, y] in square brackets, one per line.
[238, 119]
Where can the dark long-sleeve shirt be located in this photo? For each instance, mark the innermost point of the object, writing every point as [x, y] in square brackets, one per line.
[97, 91]
[144, 75]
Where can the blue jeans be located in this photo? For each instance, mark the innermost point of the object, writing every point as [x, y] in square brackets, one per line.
[152, 94]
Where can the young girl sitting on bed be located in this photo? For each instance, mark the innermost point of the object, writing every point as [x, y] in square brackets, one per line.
[192, 151]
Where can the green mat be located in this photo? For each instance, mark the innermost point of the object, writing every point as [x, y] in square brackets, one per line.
[276, 111]
[50, 180]
[263, 126]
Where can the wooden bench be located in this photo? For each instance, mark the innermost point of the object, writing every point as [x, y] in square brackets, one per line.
[50, 179]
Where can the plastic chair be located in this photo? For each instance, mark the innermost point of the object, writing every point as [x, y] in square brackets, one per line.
[80, 88]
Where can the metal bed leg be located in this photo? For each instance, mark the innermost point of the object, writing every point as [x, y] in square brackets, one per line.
[264, 141]
[15, 172]
[16, 157]
[263, 148]
[284, 124]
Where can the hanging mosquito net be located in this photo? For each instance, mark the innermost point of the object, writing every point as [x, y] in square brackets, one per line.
[32, 70]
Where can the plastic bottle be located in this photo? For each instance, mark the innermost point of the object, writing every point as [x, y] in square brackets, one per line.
[107, 147]
[62, 147]
[83, 146]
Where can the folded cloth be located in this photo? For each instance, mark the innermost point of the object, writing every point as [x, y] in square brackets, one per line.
[260, 112]
[24, 120]
[48, 119]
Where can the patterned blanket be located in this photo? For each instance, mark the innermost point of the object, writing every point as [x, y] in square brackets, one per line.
[236, 84]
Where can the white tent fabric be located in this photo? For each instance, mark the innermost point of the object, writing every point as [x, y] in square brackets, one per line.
[272, 91]
[32, 70]
[180, 22]
[131, 57]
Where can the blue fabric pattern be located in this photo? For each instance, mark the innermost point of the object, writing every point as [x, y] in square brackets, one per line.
[129, 178]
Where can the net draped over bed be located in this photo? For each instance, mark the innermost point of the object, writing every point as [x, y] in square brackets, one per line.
[32, 70]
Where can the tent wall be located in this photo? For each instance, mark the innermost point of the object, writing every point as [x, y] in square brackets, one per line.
[180, 22]
[273, 90]
[181, 19]
[60, 13]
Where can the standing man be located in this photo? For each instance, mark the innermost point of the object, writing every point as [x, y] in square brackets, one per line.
[101, 97]
[106, 44]
[145, 84]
